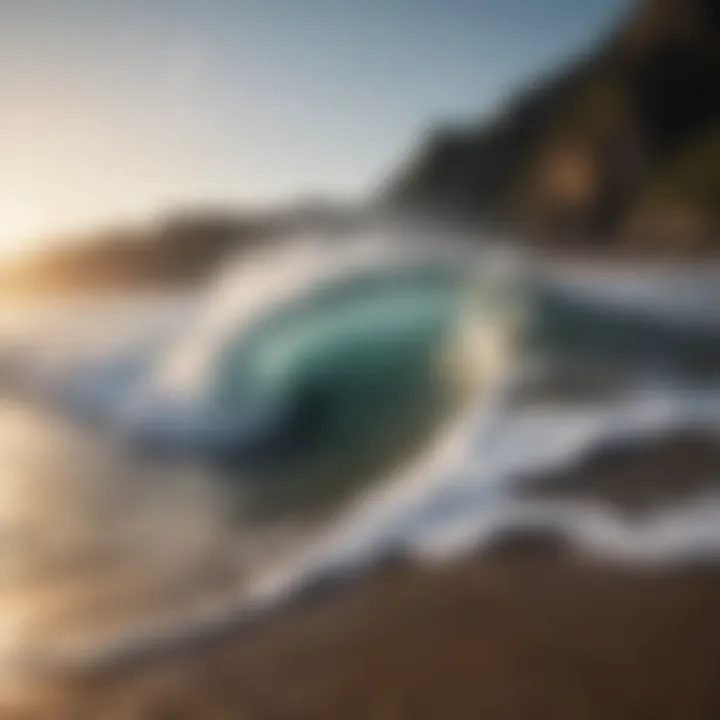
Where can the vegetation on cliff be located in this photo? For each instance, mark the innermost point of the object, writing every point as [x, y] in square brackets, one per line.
[621, 146]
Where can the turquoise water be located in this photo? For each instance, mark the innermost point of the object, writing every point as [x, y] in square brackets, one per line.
[351, 374]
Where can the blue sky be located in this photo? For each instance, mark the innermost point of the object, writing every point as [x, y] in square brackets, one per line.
[117, 109]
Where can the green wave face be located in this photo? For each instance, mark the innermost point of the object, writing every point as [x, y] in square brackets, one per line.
[359, 360]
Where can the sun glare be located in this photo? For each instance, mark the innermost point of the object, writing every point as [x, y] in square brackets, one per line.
[19, 231]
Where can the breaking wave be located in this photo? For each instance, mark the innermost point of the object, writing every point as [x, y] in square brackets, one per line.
[362, 399]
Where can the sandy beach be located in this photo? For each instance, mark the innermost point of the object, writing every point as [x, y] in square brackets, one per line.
[530, 628]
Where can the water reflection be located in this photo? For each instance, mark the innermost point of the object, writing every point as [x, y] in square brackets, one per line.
[97, 544]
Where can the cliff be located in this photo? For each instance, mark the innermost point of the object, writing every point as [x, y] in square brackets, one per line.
[621, 148]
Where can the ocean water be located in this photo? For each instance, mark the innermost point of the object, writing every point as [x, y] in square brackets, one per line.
[172, 463]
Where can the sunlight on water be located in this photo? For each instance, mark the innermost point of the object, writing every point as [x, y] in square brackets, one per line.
[94, 544]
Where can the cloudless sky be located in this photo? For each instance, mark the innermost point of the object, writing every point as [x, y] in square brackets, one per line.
[117, 109]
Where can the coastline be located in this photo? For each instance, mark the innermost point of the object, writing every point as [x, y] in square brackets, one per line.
[529, 628]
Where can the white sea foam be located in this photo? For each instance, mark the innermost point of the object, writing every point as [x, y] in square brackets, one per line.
[450, 498]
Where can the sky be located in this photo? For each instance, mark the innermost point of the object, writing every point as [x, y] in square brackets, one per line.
[119, 110]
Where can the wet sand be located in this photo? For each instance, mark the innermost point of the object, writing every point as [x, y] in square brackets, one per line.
[531, 636]
[638, 478]
[528, 629]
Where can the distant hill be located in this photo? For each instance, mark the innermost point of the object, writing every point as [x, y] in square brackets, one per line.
[622, 148]
[183, 248]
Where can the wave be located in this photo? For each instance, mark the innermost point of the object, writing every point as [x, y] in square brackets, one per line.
[308, 360]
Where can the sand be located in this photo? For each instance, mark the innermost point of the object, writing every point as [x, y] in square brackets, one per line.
[530, 629]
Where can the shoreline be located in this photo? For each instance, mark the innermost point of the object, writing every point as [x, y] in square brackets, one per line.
[528, 628]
